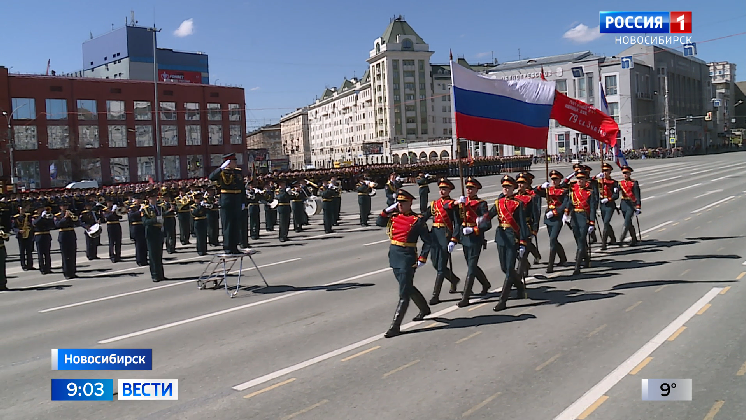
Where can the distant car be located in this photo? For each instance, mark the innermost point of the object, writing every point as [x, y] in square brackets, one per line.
[82, 184]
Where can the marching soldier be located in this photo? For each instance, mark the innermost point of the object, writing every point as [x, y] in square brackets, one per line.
[442, 236]
[152, 222]
[404, 228]
[199, 214]
[337, 200]
[43, 224]
[297, 206]
[138, 230]
[232, 196]
[582, 212]
[608, 193]
[327, 205]
[528, 197]
[3, 256]
[270, 214]
[631, 203]
[557, 201]
[88, 218]
[364, 189]
[283, 209]
[66, 221]
[113, 230]
[471, 236]
[213, 220]
[168, 208]
[423, 180]
[182, 208]
[23, 226]
[512, 234]
[392, 185]
[253, 203]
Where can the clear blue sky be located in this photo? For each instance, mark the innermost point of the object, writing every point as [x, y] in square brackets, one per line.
[284, 53]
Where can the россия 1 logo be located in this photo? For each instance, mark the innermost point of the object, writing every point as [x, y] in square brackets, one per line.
[648, 23]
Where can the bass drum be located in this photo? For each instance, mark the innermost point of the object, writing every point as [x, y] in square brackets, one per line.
[372, 193]
[313, 206]
[94, 231]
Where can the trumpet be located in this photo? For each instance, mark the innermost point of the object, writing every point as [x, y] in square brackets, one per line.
[71, 215]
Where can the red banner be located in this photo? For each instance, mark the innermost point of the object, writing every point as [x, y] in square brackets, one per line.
[582, 117]
[175, 76]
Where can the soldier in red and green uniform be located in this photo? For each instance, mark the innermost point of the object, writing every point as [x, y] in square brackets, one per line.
[608, 190]
[582, 212]
[631, 203]
[441, 211]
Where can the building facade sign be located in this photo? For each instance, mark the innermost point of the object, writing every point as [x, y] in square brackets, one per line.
[173, 76]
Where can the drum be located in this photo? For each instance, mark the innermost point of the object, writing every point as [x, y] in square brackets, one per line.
[313, 206]
[372, 193]
[94, 231]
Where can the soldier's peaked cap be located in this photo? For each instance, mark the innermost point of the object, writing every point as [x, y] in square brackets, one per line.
[606, 166]
[445, 183]
[229, 156]
[508, 180]
[472, 182]
[528, 175]
[581, 175]
[404, 195]
[626, 169]
[555, 175]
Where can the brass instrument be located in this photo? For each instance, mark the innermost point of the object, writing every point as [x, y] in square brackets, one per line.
[71, 215]
[182, 201]
[25, 228]
[121, 211]
[4, 235]
[147, 211]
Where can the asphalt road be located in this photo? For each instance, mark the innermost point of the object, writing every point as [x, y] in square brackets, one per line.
[310, 346]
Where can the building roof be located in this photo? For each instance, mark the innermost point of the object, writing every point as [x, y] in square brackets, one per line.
[551, 59]
[399, 26]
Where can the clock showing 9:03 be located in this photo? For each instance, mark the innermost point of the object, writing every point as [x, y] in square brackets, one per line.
[82, 390]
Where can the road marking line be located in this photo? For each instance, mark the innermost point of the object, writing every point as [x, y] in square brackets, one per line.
[656, 227]
[688, 218]
[713, 204]
[468, 337]
[525, 310]
[686, 271]
[434, 324]
[36, 286]
[596, 331]
[633, 306]
[376, 242]
[477, 307]
[743, 263]
[548, 362]
[480, 405]
[714, 410]
[639, 367]
[685, 188]
[704, 308]
[742, 371]
[674, 224]
[725, 290]
[679, 331]
[269, 388]
[145, 266]
[305, 410]
[597, 392]
[593, 407]
[400, 368]
[740, 276]
[708, 193]
[360, 354]
[661, 288]
[229, 310]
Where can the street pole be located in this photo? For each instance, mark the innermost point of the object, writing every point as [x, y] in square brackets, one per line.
[668, 122]
[158, 160]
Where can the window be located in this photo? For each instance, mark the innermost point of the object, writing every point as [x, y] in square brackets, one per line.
[411, 120]
[168, 111]
[60, 172]
[195, 166]
[409, 108]
[143, 111]
[409, 74]
[91, 169]
[56, 109]
[28, 173]
[192, 111]
[590, 87]
[119, 169]
[234, 112]
[239, 159]
[409, 63]
[407, 44]
[23, 108]
[581, 88]
[610, 85]
[171, 167]
[145, 168]
[213, 112]
[411, 131]
[88, 136]
[409, 86]
[216, 159]
[58, 137]
[395, 64]
[614, 110]
[115, 110]
[144, 135]
[445, 108]
[117, 136]
[421, 65]
[87, 109]
[235, 134]
[396, 86]
[193, 135]
[25, 137]
[215, 134]
[561, 86]
[422, 86]
[169, 135]
[409, 97]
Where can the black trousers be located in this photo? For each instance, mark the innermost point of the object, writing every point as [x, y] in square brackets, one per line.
[169, 234]
[270, 218]
[114, 233]
[363, 201]
[328, 208]
[254, 222]
[244, 237]
[337, 208]
[44, 252]
[230, 214]
[91, 247]
[283, 212]
[200, 228]
[153, 240]
[184, 227]
[3, 276]
[26, 248]
[141, 245]
[68, 250]
[299, 211]
[607, 211]
[213, 227]
[580, 232]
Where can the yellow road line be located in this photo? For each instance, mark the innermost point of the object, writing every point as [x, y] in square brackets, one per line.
[597, 330]
[401, 368]
[269, 388]
[704, 308]
[688, 218]
[676, 334]
[675, 224]
[593, 407]
[480, 405]
[714, 410]
[639, 367]
[742, 371]
[661, 288]
[740, 276]
[633, 306]
[305, 410]
[468, 337]
[686, 271]
[548, 362]
[361, 353]
[434, 324]
[720, 249]
[724, 291]
[477, 307]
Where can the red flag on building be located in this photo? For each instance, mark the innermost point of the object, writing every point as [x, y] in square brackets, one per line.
[584, 118]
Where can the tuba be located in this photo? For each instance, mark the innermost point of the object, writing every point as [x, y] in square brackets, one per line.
[25, 228]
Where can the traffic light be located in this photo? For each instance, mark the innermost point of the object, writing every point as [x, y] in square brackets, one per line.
[708, 117]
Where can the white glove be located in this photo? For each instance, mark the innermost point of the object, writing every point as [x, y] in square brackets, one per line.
[398, 178]
[480, 219]
[392, 207]
[420, 264]
[159, 220]
[566, 218]
[114, 207]
[451, 245]
[225, 164]
[461, 200]
[616, 190]
[44, 213]
[638, 211]
[601, 175]
[521, 251]
[545, 185]
[604, 201]
[591, 229]
[550, 214]
[468, 230]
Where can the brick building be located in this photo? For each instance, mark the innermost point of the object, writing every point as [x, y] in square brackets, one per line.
[269, 137]
[66, 129]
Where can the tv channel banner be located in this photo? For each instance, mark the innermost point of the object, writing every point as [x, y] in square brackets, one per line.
[148, 389]
[645, 22]
[82, 390]
[102, 359]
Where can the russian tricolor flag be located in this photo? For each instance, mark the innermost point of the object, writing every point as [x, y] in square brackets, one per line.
[500, 111]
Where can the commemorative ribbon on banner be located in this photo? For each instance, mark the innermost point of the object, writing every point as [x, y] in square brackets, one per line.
[584, 118]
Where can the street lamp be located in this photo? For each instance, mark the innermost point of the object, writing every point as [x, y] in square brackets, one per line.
[11, 146]
[159, 163]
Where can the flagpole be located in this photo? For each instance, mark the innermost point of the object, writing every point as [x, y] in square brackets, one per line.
[546, 162]
[458, 140]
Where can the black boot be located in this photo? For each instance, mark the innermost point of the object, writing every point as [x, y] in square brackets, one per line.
[578, 261]
[612, 236]
[454, 279]
[464, 302]
[421, 303]
[624, 235]
[401, 310]
[593, 238]
[485, 283]
[436, 290]
[520, 288]
[633, 234]
[588, 257]
[550, 263]
[604, 238]
[561, 254]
